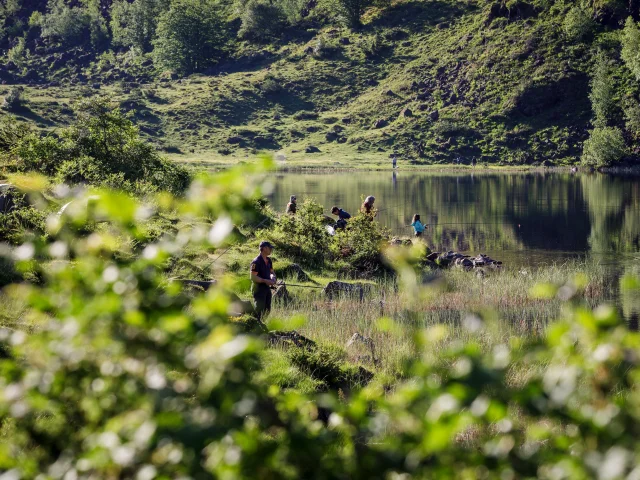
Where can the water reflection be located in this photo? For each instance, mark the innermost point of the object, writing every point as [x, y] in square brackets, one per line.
[522, 218]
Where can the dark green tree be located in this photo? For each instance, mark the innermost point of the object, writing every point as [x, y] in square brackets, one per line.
[134, 24]
[602, 92]
[190, 36]
[631, 47]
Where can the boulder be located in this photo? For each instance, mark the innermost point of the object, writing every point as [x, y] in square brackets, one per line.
[235, 140]
[362, 348]
[406, 112]
[331, 136]
[294, 271]
[7, 201]
[312, 149]
[434, 116]
[281, 294]
[380, 123]
[339, 289]
[346, 120]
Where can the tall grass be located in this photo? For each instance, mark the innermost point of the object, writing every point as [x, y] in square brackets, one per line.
[492, 309]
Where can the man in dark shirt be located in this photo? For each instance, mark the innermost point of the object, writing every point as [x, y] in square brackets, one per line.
[342, 217]
[262, 279]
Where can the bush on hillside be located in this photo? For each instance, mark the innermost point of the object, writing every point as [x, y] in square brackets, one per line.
[260, 20]
[631, 47]
[578, 24]
[102, 148]
[190, 36]
[360, 243]
[351, 11]
[68, 25]
[13, 99]
[303, 235]
[295, 10]
[604, 147]
[19, 53]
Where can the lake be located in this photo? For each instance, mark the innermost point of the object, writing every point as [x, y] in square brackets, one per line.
[523, 219]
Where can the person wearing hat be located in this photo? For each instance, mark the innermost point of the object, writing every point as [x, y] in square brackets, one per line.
[291, 206]
[262, 279]
[367, 206]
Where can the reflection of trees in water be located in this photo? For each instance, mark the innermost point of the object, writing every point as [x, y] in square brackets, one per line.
[544, 211]
[614, 210]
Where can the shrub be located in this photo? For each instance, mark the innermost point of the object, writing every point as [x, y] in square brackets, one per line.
[190, 36]
[324, 48]
[602, 92]
[11, 132]
[604, 147]
[351, 11]
[102, 143]
[69, 25]
[295, 10]
[578, 24]
[19, 222]
[271, 85]
[631, 47]
[371, 45]
[260, 20]
[304, 234]
[19, 53]
[13, 99]
[361, 244]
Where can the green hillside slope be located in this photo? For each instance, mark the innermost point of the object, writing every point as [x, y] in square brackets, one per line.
[432, 80]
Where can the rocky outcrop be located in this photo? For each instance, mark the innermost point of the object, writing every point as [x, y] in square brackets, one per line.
[339, 289]
[467, 262]
[294, 271]
[7, 202]
[356, 343]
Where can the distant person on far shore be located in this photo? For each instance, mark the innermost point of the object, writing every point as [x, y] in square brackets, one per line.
[473, 162]
[292, 206]
[417, 225]
[394, 161]
[342, 217]
[367, 207]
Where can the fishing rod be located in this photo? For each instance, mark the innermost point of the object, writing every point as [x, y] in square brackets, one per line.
[296, 285]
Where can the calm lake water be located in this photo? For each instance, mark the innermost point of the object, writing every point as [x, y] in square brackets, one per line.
[523, 219]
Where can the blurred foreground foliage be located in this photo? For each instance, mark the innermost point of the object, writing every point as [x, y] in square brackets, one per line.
[121, 374]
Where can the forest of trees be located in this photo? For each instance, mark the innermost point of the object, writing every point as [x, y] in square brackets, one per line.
[193, 36]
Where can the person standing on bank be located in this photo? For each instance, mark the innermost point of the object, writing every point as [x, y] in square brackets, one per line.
[417, 225]
[394, 161]
[367, 206]
[262, 279]
[292, 206]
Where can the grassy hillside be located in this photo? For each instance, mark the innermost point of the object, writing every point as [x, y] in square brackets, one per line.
[432, 80]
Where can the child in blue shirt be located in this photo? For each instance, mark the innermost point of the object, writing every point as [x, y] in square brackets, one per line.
[417, 225]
